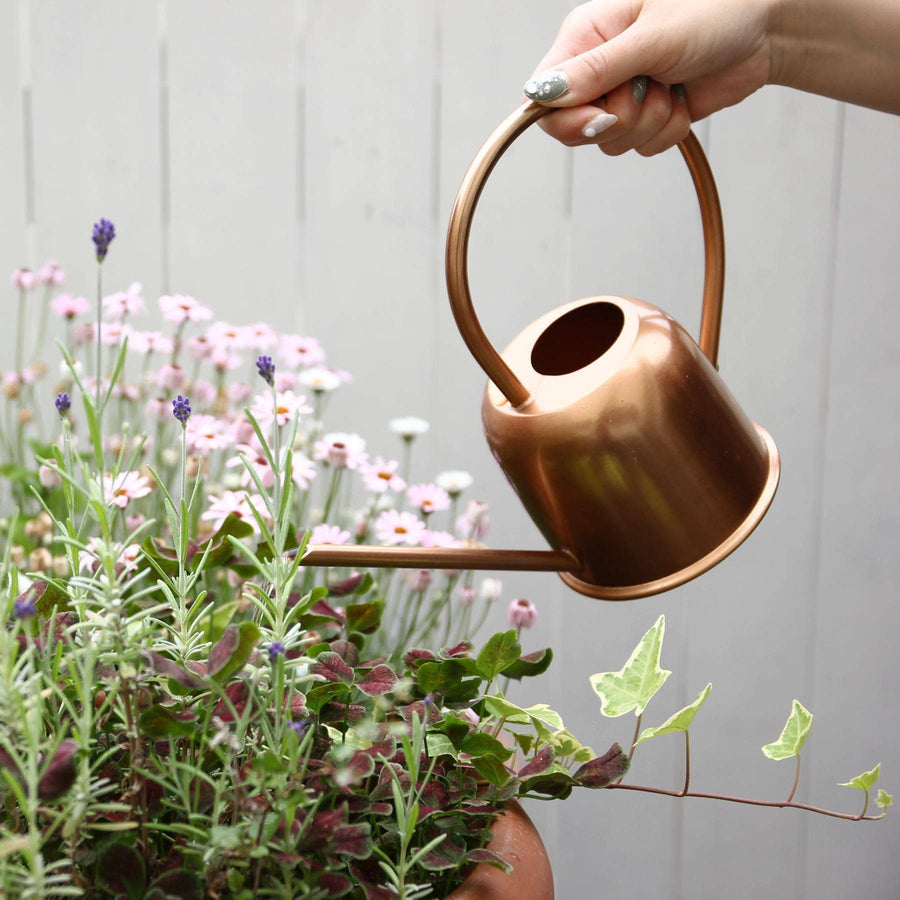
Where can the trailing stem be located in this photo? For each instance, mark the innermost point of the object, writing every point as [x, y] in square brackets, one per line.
[776, 804]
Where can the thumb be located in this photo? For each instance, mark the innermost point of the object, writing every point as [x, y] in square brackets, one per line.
[588, 76]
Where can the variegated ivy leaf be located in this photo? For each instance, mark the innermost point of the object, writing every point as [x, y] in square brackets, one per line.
[793, 735]
[679, 721]
[865, 781]
[633, 686]
[884, 799]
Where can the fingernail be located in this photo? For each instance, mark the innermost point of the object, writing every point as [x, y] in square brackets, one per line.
[678, 91]
[639, 87]
[598, 124]
[547, 86]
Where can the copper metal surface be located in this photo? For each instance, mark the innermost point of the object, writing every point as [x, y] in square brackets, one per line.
[610, 422]
[440, 558]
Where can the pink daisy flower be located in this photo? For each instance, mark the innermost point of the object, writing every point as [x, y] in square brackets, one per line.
[227, 336]
[237, 503]
[428, 498]
[124, 487]
[381, 475]
[341, 450]
[51, 274]
[522, 613]
[299, 351]
[23, 279]
[170, 377]
[178, 309]
[466, 595]
[223, 359]
[438, 539]
[396, 528]
[122, 304]
[474, 524]
[261, 336]
[67, 307]
[206, 434]
[159, 409]
[147, 342]
[329, 534]
[287, 405]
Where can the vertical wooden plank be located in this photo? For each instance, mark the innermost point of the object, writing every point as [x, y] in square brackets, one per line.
[231, 158]
[518, 266]
[369, 257]
[13, 171]
[858, 618]
[95, 138]
[773, 157]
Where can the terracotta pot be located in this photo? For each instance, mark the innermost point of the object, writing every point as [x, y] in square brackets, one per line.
[517, 840]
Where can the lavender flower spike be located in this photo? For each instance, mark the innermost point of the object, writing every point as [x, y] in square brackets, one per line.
[181, 409]
[24, 607]
[266, 368]
[104, 232]
[276, 649]
[62, 403]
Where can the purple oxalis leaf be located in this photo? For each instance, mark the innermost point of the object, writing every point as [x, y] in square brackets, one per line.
[60, 774]
[378, 681]
[541, 762]
[604, 770]
[332, 668]
[222, 649]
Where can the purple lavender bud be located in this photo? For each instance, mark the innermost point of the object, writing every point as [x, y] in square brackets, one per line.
[266, 368]
[299, 727]
[276, 649]
[104, 232]
[24, 607]
[181, 409]
[63, 402]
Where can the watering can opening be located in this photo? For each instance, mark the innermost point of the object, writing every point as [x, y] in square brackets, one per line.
[577, 338]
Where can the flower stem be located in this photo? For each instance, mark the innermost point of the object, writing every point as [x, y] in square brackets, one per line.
[687, 766]
[796, 780]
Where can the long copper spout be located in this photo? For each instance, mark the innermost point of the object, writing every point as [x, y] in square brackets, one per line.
[364, 556]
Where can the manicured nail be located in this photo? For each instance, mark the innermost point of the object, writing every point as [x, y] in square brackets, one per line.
[678, 91]
[639, 87]
[598, 124]
[547, 86]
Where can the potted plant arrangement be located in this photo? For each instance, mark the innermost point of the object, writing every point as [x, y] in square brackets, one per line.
[187, 710]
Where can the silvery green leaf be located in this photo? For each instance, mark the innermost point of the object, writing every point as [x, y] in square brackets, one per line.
[793, 735]
[679, 721]
[884, 799]
[633, 686]
[865, 781]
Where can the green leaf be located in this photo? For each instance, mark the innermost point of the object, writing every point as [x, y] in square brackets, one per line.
[633, 686]
[499, 707]
[481, 744]
[364, 617]
[440, 745]
[793, 735]
[491, 769]
[530, 665]
[501, 650]
[884, 799]
[679, 721]
[161, 721]
[865, 781]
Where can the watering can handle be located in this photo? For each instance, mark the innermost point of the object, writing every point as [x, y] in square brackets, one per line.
[458, 241]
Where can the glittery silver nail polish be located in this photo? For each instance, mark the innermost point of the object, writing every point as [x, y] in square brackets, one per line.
[547, 86]
[639, 87]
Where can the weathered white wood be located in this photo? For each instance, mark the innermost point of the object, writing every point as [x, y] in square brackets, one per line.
[857, 619]
[95, 88]
[231, 151]
[370, 254]
[14, 178]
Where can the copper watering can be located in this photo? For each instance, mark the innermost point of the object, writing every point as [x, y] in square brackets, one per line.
[612, 425]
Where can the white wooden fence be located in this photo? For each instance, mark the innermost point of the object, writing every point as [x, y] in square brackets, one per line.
[295, 160]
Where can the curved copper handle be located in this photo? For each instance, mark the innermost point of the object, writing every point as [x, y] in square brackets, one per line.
[458, 242]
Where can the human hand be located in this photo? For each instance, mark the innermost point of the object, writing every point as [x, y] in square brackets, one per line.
[634, 74]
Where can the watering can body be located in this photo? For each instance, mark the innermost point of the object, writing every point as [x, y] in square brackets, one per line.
[631, 453]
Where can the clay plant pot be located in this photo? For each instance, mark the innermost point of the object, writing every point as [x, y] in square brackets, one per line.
[517, 840]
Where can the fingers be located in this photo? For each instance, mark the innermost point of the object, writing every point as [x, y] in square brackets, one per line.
[641, 115]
